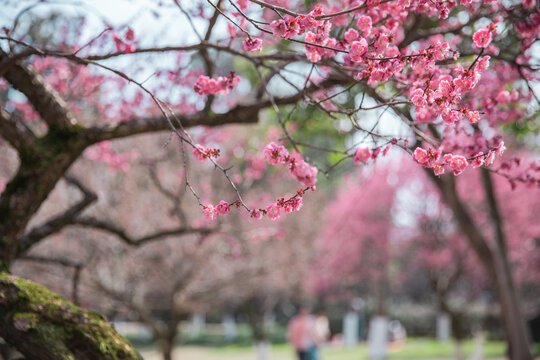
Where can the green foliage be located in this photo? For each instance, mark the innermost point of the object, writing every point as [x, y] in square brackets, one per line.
[521, 129]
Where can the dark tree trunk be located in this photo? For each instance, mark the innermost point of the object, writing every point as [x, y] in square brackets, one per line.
[380, 289]
[513, 321]
[166, 348]
[494, 258]
[256, 323]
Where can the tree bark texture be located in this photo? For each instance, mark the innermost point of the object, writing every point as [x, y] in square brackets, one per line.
[494, 258]
[43, 326]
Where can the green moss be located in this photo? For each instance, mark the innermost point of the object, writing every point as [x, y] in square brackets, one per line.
[26, 320]
[57, 325]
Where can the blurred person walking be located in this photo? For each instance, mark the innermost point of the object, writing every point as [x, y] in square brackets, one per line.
[302, 335]
[322, 333]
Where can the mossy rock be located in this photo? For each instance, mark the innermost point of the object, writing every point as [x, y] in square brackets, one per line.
[43, 325]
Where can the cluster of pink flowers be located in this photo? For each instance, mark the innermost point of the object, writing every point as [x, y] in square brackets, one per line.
[223, 208]
[116, 161]
[273, 211]
[442, 95]
[252, 45]
[321, 38]
[202, 153]
[286, 28]
[274, 154]
[127, 44]
[289, 26]
[457, 163]
[358, 49]
[363, 154]
[222, 85]
[277, 154]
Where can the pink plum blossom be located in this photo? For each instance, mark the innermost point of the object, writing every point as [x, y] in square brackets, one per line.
[482, 38]
[273, 211]
[293, 204]
[252, 45]
[477, 160]
[458, 163]
[358, 49]
[221, 85]
[420, 156]
[305, 173]
[256, 214]
[210, 212]
[364, 24]
[275, 154]
[362, 155]
[223, 208]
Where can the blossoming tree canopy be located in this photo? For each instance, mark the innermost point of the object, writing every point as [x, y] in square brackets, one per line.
[450, 85]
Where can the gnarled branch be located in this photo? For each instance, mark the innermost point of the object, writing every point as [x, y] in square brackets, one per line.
[45, 100]
[17, 134]
[111, 228]
[57, 223]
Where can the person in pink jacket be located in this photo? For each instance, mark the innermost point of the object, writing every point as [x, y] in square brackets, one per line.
[302, 334]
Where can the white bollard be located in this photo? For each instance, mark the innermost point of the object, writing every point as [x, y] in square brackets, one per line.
[378, 337]
[197, 324]
[262, 350]
[229, 327]
[478, 350]
[443, 327]
[350, 329]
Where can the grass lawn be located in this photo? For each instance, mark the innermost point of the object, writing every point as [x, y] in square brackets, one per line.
[413, 349]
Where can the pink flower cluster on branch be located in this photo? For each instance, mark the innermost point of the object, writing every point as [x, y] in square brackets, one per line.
[456, 163]
[223, 208]
[277, 154]
[363, 154]
[442, 95]
[483, 37]
[202, 153]
[273, 211]
[222, 85]
[252, 45]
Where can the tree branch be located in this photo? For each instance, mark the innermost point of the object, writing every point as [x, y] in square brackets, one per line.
[141, 311]
[57, 223]
[18, 135]
[241, 114]
[494, 211]
[447, 186]
[111, 228]
[45, 100]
